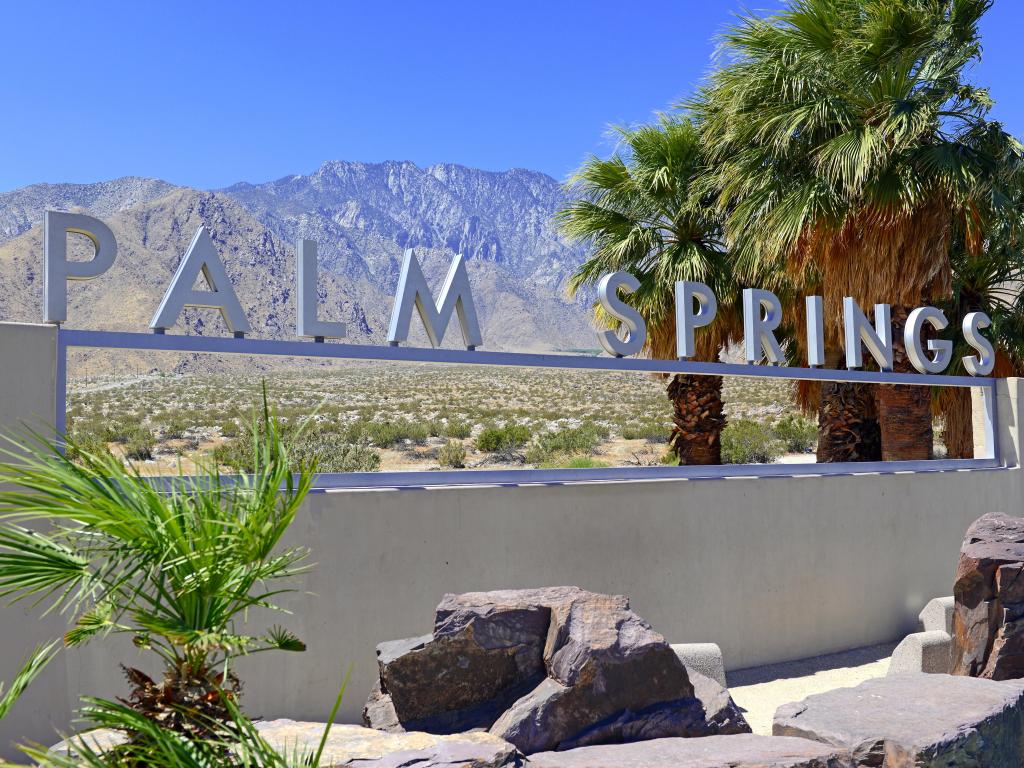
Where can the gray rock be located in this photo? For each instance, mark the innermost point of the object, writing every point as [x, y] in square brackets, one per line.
[916, 720]
[349, 746]
[544, 669]
[740, 751]
[929, 652]
[705, 658]
[937, 615]
[353, 745]
[379, 712]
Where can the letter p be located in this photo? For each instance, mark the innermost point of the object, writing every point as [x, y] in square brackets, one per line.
[57, 270]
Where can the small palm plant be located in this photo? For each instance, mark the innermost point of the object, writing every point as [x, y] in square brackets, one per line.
[173, 564]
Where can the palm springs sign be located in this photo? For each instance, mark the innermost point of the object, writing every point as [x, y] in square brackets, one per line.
[696, 306]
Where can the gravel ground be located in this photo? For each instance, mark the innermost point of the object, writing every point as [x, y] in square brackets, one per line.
[761, 690]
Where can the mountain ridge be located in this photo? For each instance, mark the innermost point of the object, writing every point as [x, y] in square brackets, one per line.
[362, 215]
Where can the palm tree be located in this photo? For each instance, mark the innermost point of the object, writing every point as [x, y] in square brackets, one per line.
[990, 282]
[638, 212]
[848, 148]
[172, 567]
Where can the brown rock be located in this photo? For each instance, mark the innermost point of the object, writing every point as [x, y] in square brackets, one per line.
[544, 669]
[988, 632]
[741, 751]
[916, 720]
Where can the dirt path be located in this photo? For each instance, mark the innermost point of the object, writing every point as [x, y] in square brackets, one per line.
[761, 690]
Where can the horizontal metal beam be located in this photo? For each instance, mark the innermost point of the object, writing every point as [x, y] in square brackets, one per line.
[227, 345]
[516, 477]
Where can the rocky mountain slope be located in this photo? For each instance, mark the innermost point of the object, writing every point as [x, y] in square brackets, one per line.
[362, 215]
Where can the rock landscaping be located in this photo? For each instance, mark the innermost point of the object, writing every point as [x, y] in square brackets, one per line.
[738, 751]
[916, 720]
[545, 669]
[988, 616]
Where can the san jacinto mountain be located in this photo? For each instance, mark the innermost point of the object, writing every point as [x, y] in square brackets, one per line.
[362, 215]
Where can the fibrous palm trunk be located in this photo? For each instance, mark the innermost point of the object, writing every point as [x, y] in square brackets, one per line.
[958, 434]
[697, 419]
[904, 411]
[848, 423]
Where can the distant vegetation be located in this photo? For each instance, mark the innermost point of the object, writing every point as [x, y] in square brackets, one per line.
[366, 418]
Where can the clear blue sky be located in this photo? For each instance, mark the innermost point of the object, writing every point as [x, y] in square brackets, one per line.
[209, 93]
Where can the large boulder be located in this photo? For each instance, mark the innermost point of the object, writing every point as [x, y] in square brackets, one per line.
[544, 669]
[988, 615]
[740, 751]
[916, 720]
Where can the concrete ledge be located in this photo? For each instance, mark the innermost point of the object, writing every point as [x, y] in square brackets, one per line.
[704, 658]
[928, 652]
[937, 616]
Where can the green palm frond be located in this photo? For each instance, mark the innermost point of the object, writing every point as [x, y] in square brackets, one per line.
[643, 211]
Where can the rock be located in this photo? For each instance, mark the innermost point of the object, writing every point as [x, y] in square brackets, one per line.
[916, 720]
[544, 669]
[740, 751]
[720, 711]
[353, 745]
[379, 712]
[705, 658]
[988, 616]
[929, 652]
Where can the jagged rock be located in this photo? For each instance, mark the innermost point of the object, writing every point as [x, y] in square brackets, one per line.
[916, 720]
[740, 751]
[988, 616]
[352, 745]
[545, 669]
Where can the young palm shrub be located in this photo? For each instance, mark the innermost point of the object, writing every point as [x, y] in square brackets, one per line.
[640, 214]
[232, 742]
[172, 565]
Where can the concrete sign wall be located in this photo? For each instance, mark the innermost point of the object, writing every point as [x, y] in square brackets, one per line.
[770, 568]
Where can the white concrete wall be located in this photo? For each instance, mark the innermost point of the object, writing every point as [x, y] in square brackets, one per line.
[28, 368]
[770, 569]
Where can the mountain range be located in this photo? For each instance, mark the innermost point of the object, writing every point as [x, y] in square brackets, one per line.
[362, 215]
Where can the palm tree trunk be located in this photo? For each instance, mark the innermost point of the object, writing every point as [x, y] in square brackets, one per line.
[848, 423]
[904, 411]
[697, 419]
[958, 434]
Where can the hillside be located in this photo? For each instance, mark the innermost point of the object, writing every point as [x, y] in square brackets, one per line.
[362, 215]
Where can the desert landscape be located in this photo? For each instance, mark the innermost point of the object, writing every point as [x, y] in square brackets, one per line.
[359, 416]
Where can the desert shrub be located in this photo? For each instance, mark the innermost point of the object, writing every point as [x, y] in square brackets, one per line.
[749, 442]
[574, 462]
[333, 455]
[172, 426]
[456, 429]
[86, 436]
[573, 441]
[506, 438]
[385, 434]
[797, 433]
[653, 431]
[229, 428]
[140, 444]
[306, 445]
[452, 454]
